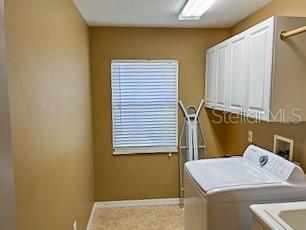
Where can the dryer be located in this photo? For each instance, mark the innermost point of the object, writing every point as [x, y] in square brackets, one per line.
[218, 192]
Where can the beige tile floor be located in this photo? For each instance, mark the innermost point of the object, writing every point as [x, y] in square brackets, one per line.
[139, 218]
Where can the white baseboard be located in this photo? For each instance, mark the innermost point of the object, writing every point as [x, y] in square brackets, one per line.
[135, 203]
[131, 203]
[90, 217]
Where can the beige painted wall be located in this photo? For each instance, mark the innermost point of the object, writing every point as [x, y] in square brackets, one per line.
[7, 188]
[275, 8]
[49, 90]
[146, 175]
[236, 134]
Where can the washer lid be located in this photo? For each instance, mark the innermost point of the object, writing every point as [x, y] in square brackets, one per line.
[227, 172]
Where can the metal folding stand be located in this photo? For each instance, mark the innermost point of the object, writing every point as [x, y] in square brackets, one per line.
[191, 142]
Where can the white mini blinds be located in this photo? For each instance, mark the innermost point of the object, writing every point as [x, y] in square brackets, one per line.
[144, 100]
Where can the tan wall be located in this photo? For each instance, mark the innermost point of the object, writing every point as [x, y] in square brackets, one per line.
[275, 8]
[150, 175]
[7, 188]
[49, 89]
[236, 134]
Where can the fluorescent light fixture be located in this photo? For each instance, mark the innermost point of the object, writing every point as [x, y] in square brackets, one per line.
[194, 9]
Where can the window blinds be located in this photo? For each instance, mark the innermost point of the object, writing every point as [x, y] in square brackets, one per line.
[144, 106]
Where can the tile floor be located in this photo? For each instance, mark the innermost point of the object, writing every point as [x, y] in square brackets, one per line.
[139, 218]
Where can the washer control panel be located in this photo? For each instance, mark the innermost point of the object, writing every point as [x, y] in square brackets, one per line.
[263, 160]
[274, 164]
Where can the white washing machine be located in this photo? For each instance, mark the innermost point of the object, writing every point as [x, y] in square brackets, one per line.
[218, 192]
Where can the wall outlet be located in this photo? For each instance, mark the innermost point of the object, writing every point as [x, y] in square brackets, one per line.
[75, 225]
[250, 136]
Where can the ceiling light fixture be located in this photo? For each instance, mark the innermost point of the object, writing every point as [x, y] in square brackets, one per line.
[194, 9]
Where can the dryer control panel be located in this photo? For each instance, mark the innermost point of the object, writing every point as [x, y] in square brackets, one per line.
[274, 164]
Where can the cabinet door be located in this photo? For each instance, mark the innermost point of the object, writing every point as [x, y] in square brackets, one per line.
[222, 73]
[238, 74]
[260, 39]
[210, 77]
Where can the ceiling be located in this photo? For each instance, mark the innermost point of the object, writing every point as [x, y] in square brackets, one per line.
[163, 13]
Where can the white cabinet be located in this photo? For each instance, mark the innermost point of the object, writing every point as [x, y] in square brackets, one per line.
[259, 75]
[237, 93]
[222, 73]
[210, 78]
[260, 56]
[250, 71]
[248, 74]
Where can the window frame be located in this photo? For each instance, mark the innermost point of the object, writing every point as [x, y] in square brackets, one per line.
[145, 150]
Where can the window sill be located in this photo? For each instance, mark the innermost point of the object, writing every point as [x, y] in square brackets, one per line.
[126, 151]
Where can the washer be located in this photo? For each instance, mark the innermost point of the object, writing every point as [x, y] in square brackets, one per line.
[218, 192]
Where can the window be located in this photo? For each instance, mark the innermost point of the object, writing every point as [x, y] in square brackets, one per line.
[144, 106]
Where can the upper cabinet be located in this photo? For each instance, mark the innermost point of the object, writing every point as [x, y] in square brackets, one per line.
[210, 81]
[237, 81]
[249, 75]
[222, 71]
[259, 67]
